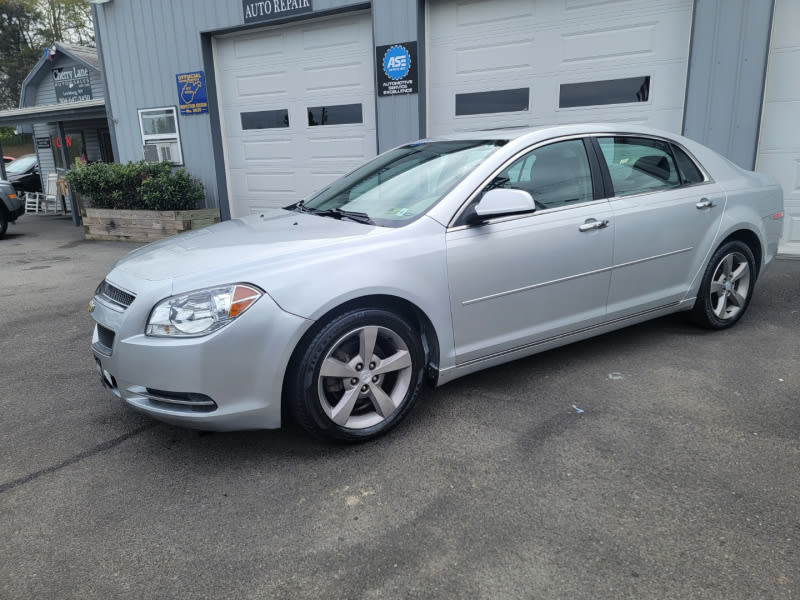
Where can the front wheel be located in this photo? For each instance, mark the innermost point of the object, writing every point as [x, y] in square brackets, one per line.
[3, 223]
[726, 288]
[358, 376]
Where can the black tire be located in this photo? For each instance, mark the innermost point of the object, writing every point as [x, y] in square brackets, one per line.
[348, 403]
[3, 223]
[727, 287]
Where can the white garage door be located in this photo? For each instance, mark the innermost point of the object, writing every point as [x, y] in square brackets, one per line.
[779, 142]
[298, 108]
[535, 62]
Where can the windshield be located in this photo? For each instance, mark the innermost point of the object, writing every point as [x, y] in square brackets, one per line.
[402, 184]
[22, 164]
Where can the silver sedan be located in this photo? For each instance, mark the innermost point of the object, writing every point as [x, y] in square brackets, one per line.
[434, 260]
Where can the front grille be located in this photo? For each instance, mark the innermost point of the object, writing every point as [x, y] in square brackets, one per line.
[115, 295]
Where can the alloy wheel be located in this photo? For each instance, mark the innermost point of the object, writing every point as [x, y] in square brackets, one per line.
[364, 377]
[730, 286]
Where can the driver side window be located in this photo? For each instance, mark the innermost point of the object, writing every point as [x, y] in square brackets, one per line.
[555, 175]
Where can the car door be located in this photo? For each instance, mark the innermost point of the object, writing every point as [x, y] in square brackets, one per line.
[518, 280]
[666, 214]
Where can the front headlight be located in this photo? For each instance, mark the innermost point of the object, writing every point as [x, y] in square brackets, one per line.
[200, 312]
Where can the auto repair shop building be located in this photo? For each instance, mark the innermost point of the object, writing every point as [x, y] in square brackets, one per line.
[267, 101]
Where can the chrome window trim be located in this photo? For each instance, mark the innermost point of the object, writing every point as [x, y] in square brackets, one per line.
[659, 191]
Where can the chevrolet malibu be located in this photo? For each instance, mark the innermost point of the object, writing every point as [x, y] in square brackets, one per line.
[434, 260]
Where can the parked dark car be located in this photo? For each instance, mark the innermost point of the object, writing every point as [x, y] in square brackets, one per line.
[12, 206]
[23, 173]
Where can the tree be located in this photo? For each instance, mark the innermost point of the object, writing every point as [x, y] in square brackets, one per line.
[66, 21]
[27, 27]
[18, 51]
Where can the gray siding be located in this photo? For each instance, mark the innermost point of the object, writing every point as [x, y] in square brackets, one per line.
[145, 44]
[398, 117]
[727, 66]
[41, 91]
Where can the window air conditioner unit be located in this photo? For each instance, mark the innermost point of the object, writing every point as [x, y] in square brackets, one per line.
[159, 151]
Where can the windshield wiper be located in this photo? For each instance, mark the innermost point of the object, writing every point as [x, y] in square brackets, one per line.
[338, 213]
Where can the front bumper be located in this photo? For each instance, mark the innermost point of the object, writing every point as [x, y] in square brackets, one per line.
[228, 380]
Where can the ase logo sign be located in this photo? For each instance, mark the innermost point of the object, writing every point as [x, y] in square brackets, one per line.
[396, 62]
[397, 69]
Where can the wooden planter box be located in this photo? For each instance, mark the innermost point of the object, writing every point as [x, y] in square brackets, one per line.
[143, 225]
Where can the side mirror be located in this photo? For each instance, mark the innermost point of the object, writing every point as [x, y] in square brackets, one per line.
[502, 201]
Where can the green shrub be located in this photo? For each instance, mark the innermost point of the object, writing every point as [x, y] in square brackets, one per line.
[135, 186]
[172, 191]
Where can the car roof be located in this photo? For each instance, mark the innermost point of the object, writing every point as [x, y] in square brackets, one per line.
[550, 131]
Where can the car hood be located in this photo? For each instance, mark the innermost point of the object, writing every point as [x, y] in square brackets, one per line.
[15, 176]
[272, 236]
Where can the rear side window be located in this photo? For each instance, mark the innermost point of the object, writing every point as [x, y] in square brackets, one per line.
[690, 173]
[639, 165]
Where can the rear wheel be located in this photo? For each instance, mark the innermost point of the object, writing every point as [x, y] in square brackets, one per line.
[727, 287]
[358, 376]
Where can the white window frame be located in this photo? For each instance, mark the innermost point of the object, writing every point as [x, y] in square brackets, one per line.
[173, 138]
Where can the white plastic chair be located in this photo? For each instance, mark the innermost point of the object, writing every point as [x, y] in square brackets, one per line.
[47, 202]
[33, 202]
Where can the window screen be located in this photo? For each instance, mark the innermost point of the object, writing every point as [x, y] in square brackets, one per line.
[609, 91]
[499, 101]
[161, 138]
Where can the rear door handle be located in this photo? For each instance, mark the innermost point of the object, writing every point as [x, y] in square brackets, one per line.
[705, 203]
[592, 224]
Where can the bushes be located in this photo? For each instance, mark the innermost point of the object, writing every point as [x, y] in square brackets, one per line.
[136, 186]
[8, 138]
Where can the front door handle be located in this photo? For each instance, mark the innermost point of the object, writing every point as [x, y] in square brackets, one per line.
[705, 203]
[592, 224]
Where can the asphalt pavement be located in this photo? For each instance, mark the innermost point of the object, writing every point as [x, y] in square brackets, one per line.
[660, 461]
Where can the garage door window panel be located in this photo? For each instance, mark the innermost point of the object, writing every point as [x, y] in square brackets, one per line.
[498, 101]
[265, 119]
[555, 175]
[599, 93]
[340, 114]
[639, 165]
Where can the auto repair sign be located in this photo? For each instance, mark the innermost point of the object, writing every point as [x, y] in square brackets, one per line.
[268, 10]
[397, 69]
